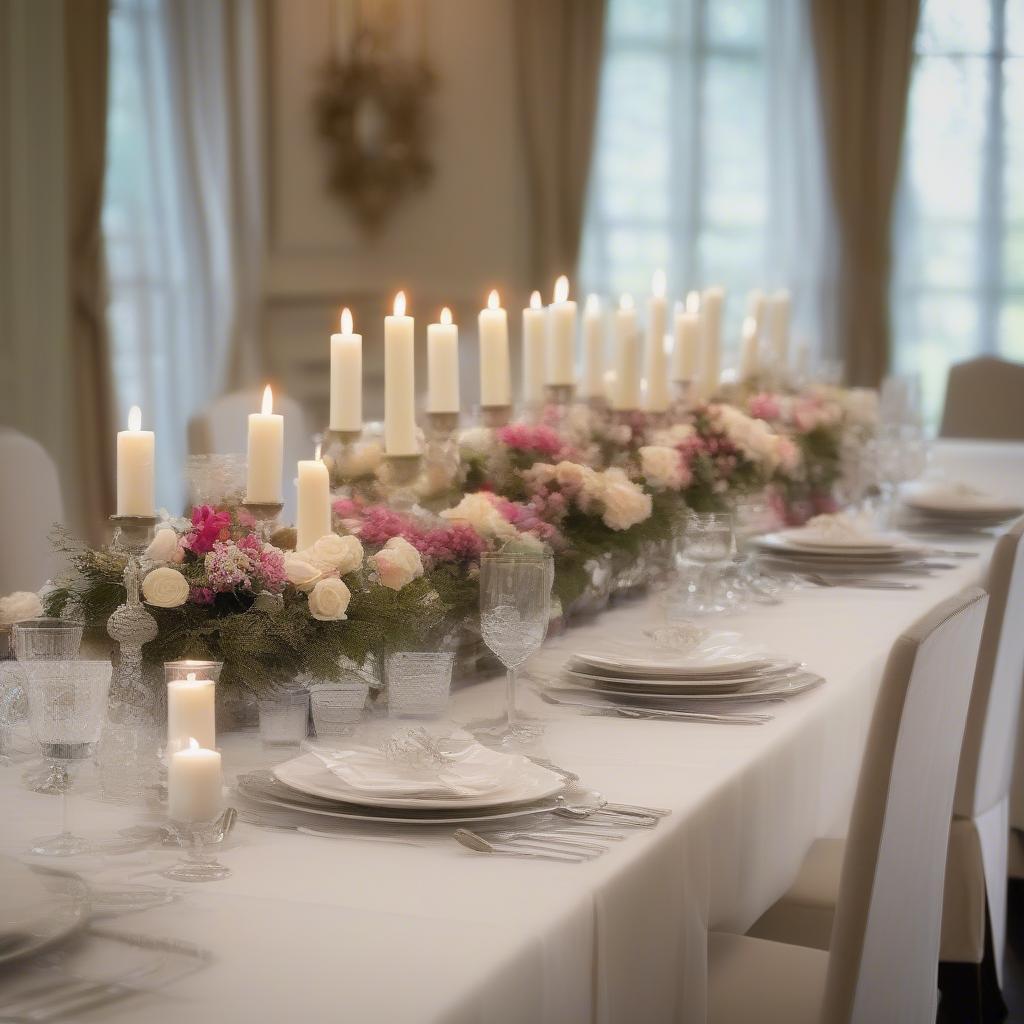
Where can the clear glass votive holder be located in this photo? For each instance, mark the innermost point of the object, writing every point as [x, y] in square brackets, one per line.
[284, 718]
[338, 707]
[47, 639]
[419, 683]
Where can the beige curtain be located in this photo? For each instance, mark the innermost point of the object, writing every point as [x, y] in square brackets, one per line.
[864, 56]
[558, 56]
[85, 64]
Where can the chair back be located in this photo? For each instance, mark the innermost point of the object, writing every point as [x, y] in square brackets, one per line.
[30, 505]
[984, 398]
[884, 954]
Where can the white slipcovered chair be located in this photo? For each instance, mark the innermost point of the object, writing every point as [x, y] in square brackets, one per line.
[30, 504]
[882, 964]
[976, 865]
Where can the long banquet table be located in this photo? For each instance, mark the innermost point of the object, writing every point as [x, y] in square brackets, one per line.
[311, 929]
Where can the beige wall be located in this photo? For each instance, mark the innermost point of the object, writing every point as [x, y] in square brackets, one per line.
[446, 245]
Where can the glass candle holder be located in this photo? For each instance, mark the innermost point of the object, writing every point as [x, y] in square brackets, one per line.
[191, 702]
[284, 718]
[198, 838]
[338, 707]
[47, 639]
[419, 683]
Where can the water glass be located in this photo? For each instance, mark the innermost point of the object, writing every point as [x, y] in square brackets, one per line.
[708, 546]
[338, 707]
[47, 639]
[419, 683]
[284, 718]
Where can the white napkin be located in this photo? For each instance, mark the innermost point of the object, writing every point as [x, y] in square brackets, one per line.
[841, 529]
[952, 495]
[454, 765]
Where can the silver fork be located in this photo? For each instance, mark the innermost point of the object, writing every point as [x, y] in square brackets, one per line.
[477, 843]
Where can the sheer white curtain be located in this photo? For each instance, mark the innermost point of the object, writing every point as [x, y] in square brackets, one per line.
[709, 160]
[958, 287]
[181, 211]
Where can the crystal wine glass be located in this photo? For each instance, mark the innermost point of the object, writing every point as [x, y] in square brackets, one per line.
[708, 544]
[515, 596]
[67, 703]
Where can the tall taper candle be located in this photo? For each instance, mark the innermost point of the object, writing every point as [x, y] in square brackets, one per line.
[534, 350]
[135, 467]
[495, 383]
[266, 453]
[314, 516]
[711, 336]
[686, 345]
[399, 382]
[749, 358]
[778, 319]
[627, 357]
[593, 348]
[346, 377]
[562, 336]
[443, 365]
[757, 309]
[655, 360]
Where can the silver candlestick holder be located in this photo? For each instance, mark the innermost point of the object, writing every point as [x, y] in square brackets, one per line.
[339, 455]
[442, 462]
[495, 416]
[265, 515]
[398, 476]
[684, 394]
[559, 398]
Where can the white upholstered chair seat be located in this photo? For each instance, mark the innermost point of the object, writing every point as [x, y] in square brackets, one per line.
[767, 982]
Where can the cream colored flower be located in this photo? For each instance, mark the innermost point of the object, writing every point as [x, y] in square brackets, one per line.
[625, 504]
[165, 588]
[662, 467]
[397, 563]
[328, 601]
[478, 510]
[164, 547]
[571, 475]
[339, 554]
[301, 573]
[19, 607]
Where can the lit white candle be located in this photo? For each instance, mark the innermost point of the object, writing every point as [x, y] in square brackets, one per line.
[593, 348]
[399, 382]
[655, 359]
[749, 357]
[443, 365]
[266, 453]
[757, 308]
[778, 323]
[191, 713]
[627, 357]
[686, 345]
[194, 784]
[534, 350]
[711, 303]
[135, 467]
[314, 491]
[346, 377]
[562, 336]
[495, 379]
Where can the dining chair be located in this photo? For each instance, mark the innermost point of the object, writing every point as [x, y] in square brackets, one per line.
[976, 861]
[984, 398]
[30, 504]
[881, 967]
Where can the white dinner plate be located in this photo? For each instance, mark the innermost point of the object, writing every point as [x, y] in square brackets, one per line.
[780, 542]
[719, 685]
[822, 542]
[307, 774]
[659, 665]
[786, 688]
[950, 501]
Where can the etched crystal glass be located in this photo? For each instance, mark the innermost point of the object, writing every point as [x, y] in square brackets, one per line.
[708, 545]
[284, 718]
[419, 682]
[47, 639]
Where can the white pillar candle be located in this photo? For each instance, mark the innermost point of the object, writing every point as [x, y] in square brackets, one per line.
[314, 513]
[711, 305]
[535, 329]
[562, 336]
[757, 308]
[655, 359]
[190, 713]
[495, 382]
[135, 467]
[686, 344]
[266, 453]
[778, 323]
[443, 365]
[194, 784]
[749, 358]
[346, 377]
[627, 357]
[593, 348]
[399, 382]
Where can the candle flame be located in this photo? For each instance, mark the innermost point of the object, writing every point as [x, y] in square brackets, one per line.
[268, 401]
[626, 301]
[446, 315]
[535, 302]
[593, 304]
[494, 300]
[749, 327]
[134, 418]
[316, 453]
[191, 677]
[562, 289]
[693, 302]
[658, 284]
[346, 321]
[193, 743]
[400, 304]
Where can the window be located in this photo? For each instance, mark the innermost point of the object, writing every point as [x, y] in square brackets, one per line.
[958, 287]
[707, 155]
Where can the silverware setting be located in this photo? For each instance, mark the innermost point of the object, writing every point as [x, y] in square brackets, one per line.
[513, 848]
[860, 582]
[621, 711]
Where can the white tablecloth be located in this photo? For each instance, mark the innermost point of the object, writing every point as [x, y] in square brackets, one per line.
[310, 929]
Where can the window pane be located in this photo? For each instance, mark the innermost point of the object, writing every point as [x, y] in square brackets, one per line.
[953, 26]
[736, 23]
[1011, 330]
[1013, 118]
[1015, 27]
[1013, 258]
[639, 18]
[633, 255]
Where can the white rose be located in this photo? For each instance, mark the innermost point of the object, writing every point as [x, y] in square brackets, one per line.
[661, 466]
[164, 546]
[397, 563]
[571, 475]
[165, 588]
[329, 600]
[625, 504]
[478, 510]
[477, 440]
[301, 573]
[342, 554]
[19, 607]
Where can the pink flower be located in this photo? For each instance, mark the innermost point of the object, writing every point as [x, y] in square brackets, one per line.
[524, 437]
[201, 595]
[765, 407]
[208, 527]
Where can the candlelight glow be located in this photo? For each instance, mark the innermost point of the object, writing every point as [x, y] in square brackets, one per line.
[658, 283]
[446, 315]
[346, 321]
[134, 418]
[193, 743]
[749, 327]
[493, 301]
[535, 300]
[562, 289]
[268, 401]
[693, 302]
[400, 304]
[191, 677]
[626, 301]
[316, 454]
[593, 304]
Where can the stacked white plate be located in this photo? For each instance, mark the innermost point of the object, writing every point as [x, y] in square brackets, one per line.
[956, 507]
